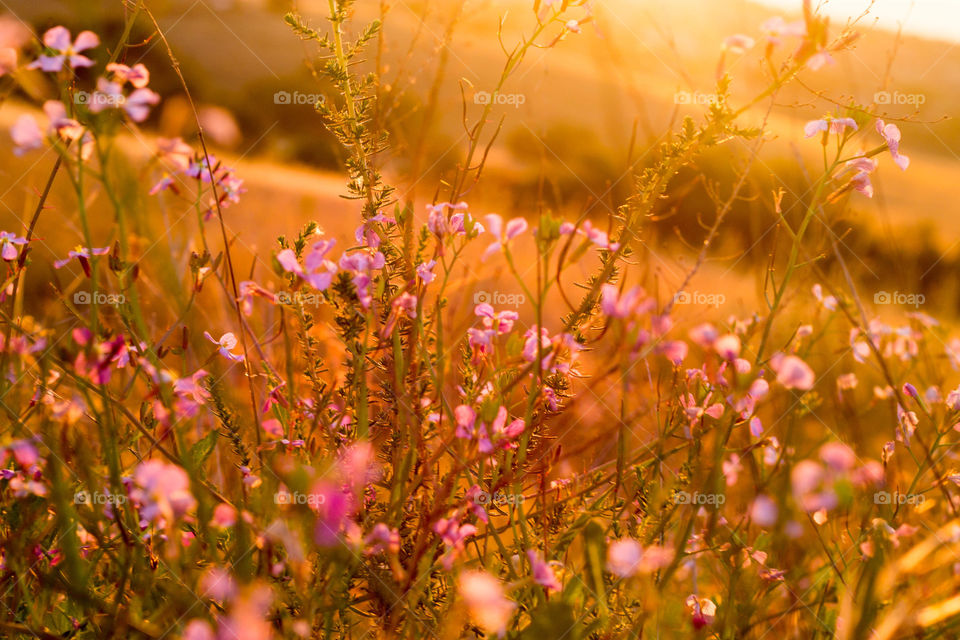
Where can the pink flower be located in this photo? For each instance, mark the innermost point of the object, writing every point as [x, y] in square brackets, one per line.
[542, 572]
[500, 322]
[317, 270]
[217, 584]
[831, 125]
[425, 271]
[727, 347]
[198, 629]
[362, 264]
[382, 538]
[109, 95]
[454, 536]
[224, 515]
[57, 39]
[26, 135]
[891, 135]
[8, 242]
[763, 511]
[162, 491]
[794, 373]
[487, 605]
[83, 255]
[776, 28]
[702, 611]
[615, 305]
[861, 169]
[137, 75]
[514, 228]
[623, 557]
[738, 43]
[829, 302]
[226, 343]
[731, 469]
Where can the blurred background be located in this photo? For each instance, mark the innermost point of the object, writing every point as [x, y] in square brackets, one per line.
[583, 117]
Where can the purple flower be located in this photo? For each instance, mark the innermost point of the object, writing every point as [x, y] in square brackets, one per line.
[83, 255]
[425, 271]
[8, 250]
[891, 134]
[543, 573]
[513, 228]
[26, 135]
[831, 125]
[227, 342]
[57, 39]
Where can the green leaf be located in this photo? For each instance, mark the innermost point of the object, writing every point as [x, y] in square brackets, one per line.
[202, 449]
[552, 620]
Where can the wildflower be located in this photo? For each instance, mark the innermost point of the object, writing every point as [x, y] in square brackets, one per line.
[437, 220]
[828, 125]
[838, 456]
[542, 572]
[362, 264]
[487, 605]
[109, 95]
[425, 271]
[907, 422]
[731, 469]
[861, 169]
[794, 373]
[162, 491]
[198, 629]
[623, 557]
[727, 347]
[454, 536]
[226, 342]
[217, 584]
[500, 322]
[26, 135]
[137, 75]
[224, 516]
[514, 227]
[702, 611]
[57, 39]
[828, 302]
[891, 135]
[777, 28]
[763, 511]
[83, 255]
[382, 538]
[333, 507]
[847, 381]
[738, 43]
[317, 270]
[191, 394]
[8, 245]
[615, 305]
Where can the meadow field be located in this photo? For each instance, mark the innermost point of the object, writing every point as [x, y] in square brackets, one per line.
[529, 319]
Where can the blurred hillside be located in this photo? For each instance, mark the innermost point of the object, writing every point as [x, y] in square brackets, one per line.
[632, 73]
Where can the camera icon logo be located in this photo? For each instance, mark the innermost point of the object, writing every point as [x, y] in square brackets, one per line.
[681, 297]
[682, 497]
[282, 97]
[81, 297]
[482, 97]
[881, 297]
[481, 297]
[882, 497]
[81, 497]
